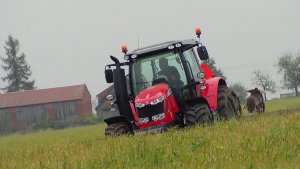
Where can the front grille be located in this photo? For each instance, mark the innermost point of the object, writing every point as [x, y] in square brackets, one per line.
[150, 110]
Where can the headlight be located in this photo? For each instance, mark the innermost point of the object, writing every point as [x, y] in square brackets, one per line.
[109, 97]
[133, 56]
[139, 105]
[178, 45]
[158, 100]
[171, 47]
[144, 120]
[158, 117]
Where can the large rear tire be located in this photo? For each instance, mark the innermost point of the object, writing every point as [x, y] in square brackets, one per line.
[226, 104]
[117, 129]
[198, 114]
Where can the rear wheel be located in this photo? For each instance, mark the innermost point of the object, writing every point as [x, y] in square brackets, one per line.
[117, 129]
[198, 114]
[226, 103]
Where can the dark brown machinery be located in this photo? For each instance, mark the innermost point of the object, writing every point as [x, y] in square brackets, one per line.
[255, 102]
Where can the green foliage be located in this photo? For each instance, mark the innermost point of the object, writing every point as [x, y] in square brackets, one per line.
[91, 121]
[18, 70]
[266, 141]
[240, 90]
[217, 71]
[289, 66]
[44, 124]
[264, 81]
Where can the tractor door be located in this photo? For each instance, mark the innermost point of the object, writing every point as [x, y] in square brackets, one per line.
[193, 71]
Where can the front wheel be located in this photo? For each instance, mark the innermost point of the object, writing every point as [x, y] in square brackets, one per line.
[117, 129]
[198, 114]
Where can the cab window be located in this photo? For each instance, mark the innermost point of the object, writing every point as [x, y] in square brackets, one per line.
[193, 62]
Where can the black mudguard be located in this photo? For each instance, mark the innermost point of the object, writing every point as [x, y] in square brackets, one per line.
[117, 119]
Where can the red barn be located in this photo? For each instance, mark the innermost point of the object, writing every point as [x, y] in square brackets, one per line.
[56, 107]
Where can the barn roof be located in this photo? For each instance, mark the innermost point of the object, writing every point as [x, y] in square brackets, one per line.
[50, 95]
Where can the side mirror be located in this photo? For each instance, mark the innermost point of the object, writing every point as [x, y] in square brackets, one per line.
[202, 52]
[109, 76]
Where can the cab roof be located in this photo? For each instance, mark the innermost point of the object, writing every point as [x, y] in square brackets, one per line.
[188, 43]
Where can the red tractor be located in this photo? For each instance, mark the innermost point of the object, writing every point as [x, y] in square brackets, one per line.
[166, 86]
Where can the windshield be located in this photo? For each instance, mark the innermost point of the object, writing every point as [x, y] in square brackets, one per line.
[165, 65]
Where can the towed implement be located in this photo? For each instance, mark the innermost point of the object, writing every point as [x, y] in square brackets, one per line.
[255, 102]
[166, 86]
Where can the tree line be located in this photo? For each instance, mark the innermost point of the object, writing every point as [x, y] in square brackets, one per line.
[288, 66]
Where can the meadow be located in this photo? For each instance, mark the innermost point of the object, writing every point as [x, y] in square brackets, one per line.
[271, 140]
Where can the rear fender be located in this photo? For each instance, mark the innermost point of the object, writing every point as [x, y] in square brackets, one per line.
[211, 91]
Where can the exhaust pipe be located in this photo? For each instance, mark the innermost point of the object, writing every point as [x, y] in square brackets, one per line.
[116, 60]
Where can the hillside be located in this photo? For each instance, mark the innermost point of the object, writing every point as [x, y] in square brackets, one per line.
[267, 141]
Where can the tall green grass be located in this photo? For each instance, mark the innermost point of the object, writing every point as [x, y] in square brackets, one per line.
[262, 142]
[281, 105]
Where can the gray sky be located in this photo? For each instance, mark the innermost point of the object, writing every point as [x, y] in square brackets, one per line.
[68, 42]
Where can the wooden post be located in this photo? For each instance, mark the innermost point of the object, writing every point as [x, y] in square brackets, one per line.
[13, 116]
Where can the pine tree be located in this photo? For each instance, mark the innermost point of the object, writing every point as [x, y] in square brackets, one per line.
[18, 70]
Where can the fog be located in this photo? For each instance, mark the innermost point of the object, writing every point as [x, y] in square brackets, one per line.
[68, 42]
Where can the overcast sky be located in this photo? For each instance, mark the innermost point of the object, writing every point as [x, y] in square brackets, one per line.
[68, 42]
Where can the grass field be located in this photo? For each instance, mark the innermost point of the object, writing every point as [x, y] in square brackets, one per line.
[283, 105]
[271, 140]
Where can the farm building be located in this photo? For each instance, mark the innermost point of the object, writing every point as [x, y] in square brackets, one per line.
[56, 107]
[103, 110]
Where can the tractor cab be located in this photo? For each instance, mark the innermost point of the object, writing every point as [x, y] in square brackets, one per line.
[174, 63]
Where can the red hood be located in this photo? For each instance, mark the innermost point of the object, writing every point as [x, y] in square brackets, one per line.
[152, 93]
